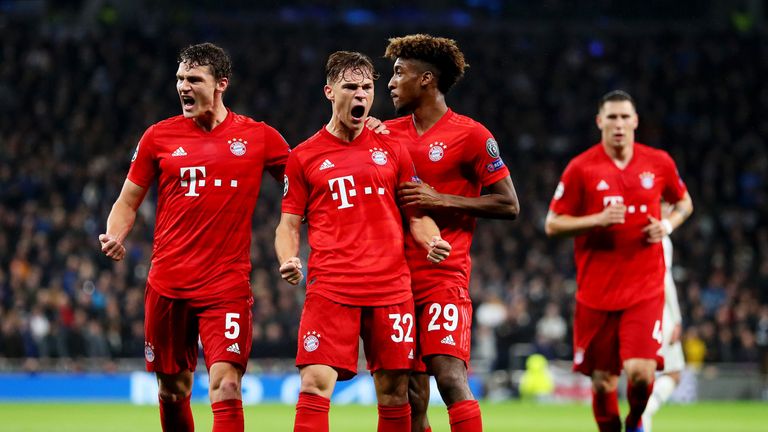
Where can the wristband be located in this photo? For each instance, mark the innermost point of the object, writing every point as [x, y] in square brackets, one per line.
[667, 226]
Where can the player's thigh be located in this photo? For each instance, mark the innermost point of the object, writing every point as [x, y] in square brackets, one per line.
[596, 340]
[640, 331]
[226, 330]
[388, 334]
[170, 334]
[329, 334]
[445, 325]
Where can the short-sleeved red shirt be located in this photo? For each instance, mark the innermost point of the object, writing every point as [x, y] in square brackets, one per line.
[207, 186]
[456, 156]
[616, 266]
[347, 192]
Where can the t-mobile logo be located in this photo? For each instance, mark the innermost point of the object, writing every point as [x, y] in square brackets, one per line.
[193, 181]
[341, 185]
[339, 190]
[197, 180]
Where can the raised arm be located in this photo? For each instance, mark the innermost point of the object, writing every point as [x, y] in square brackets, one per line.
[287, 239]
[121, 219]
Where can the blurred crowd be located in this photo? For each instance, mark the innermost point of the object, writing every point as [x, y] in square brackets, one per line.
[74, 99]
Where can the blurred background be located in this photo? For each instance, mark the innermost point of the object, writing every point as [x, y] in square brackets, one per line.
[81, 80]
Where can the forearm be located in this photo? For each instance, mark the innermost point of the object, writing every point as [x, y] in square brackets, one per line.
[423, 229]
[680, 212]
[120, 220]
[286, 242]
[494, 206]
[564, 225]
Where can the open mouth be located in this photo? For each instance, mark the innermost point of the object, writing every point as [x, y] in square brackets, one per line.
[358, 112]
[187, 102]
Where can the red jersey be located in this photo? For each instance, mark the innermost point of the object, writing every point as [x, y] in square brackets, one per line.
[347, 192]
[456, 156]
[616, 265]
[208, 183]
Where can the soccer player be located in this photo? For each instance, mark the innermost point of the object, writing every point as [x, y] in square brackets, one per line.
[455, 157]
[609, 199]
[208, 163]
[343, 182]
[671, 348]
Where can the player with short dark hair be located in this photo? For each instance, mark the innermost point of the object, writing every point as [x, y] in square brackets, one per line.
[609, 198]
[456, 158]
[342, 181]
[208, 164]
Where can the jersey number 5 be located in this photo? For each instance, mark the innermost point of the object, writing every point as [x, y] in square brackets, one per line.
[450, 315]
[233, 328]
[400, 333]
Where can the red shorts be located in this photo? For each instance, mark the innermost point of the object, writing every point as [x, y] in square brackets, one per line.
[444, 323]
[603, 340]
[172, 328]
[329, 334]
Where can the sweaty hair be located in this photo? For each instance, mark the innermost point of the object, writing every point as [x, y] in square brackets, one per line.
[353, 61]
[207, 54]
[616, 96]
[442, 54]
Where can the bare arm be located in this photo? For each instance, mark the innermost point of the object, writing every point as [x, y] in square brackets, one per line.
[427, 234]
[657, 229]
[564, 225]
[500, 203]
[121, 219]
[287, 247]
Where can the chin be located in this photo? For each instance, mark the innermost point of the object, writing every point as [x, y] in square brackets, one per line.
[403, 110]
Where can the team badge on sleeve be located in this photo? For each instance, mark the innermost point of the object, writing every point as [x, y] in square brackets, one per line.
[378, 155]
[135, 153]
[436, 151]
[237, 146]
[492, 148]
[559, 191]
[646, 179]
[285, 185]
[311, 341]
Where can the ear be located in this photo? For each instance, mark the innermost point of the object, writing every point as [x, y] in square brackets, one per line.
[635, 121]
[427, 77]
[599, 121]
[328, 90]
[222, 85]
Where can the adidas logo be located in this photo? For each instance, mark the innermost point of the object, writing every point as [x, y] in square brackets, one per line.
[448, 340]
[179, 152]
[326, 164]
[234, 348]
[602, 185]
[410, 355]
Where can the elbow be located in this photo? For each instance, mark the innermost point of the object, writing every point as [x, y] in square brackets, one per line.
[550, 229]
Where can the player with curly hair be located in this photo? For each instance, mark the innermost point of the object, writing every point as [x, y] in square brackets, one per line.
[456, 158]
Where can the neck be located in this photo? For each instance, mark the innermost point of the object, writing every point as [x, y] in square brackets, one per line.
[210, 119]
[428, 113]
[621, 155]
[341, 131]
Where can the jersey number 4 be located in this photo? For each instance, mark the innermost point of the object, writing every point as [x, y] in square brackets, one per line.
[657, 334]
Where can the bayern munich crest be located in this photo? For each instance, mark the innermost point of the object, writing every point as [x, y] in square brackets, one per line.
[378, 155]
[311, 341]
[436, 151]
[149, 353]
[237, 146]
[646, 179]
